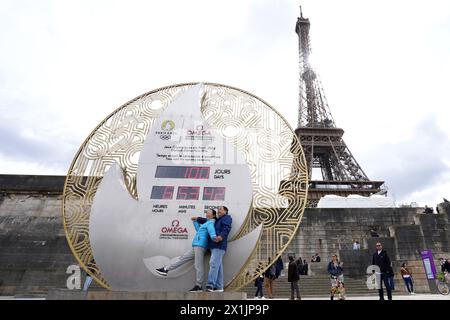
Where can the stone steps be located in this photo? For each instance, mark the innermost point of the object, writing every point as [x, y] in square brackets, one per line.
[315, 286]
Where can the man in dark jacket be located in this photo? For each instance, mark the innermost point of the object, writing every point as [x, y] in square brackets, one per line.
[279, 266]
[293, 278]
[218, 248]
[381, 259]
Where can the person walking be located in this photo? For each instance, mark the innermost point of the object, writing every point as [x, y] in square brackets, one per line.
[279, 267]
[259, 286]
[299, 263]
[407, 278]
[445, 268]
[269, 278]
[381, 259]
[205, 232]
[259, 281]
[390, 278]
[445, 265]
[305, 267]
[337, 278]
[293, 278]
[218, 247]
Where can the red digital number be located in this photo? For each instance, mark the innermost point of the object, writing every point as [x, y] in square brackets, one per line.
[219, 194]
[208, 193]
[182, 193]
[204, 173]
[193, 174]
[212, 193]
[188, 193]
[195, 193]
[196, 173]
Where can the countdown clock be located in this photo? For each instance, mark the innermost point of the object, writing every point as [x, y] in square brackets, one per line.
[184, 169]
[172, 154]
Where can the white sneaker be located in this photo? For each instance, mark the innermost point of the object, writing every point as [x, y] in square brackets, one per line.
[413, 293]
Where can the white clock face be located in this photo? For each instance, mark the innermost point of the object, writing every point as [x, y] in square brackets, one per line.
[184, 168]
[128, 206]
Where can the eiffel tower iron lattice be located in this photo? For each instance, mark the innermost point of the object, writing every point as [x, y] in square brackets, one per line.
[321, 139]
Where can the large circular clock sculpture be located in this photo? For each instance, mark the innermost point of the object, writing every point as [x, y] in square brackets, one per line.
[171, 154]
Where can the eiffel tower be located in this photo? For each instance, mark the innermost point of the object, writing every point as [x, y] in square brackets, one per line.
[321, 139]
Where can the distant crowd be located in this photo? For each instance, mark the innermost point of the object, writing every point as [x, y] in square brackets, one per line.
[335, 269]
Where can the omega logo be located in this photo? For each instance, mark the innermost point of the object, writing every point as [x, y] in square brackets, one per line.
[174, 228]
[175, 223]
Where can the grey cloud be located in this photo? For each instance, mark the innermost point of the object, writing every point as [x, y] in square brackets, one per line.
[415, 164]
[52, 151]
[46, 141]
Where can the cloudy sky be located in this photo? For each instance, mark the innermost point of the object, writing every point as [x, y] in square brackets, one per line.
[385, 67]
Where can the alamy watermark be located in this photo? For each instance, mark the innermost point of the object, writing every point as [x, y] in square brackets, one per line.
[373, 277]
[74, 280]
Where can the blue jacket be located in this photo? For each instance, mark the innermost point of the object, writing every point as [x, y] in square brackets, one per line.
[334, 270]
[205, 232]
[223, 228]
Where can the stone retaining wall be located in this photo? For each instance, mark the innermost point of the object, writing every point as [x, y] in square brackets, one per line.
[34, 253]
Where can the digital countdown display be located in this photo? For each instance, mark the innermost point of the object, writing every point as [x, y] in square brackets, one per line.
[185, 192]
[182, 172]
[162, 192]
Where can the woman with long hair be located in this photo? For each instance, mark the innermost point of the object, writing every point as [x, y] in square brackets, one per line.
[337, 278]
[407, 278]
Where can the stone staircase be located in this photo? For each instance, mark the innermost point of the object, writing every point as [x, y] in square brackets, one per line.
[316, 284]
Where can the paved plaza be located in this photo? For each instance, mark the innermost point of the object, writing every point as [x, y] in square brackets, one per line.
[397, 297]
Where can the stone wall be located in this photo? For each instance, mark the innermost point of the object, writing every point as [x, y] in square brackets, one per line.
[404, 233]
[34, 253]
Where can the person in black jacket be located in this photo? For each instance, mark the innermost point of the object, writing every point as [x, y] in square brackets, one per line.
[299, 263]
[305, 267]
[278, 266]
[259, 281]
[381, 259]
[259, 286]
[293, 278]
[445, 265]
